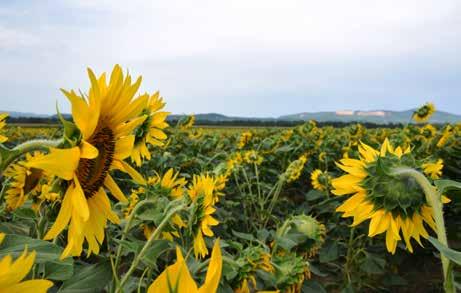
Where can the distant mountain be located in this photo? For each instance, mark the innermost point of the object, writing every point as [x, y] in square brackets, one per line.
[377, 117]
[13, 114]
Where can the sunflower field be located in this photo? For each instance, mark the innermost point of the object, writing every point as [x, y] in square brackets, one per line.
[117, 200]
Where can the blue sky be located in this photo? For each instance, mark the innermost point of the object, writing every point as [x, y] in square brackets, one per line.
[239, 57]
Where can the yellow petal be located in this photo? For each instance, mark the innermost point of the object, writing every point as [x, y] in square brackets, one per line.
[110, 183]
[79, 201]
[59, 162]
[124, 147]
[88, 151]
[213, 275]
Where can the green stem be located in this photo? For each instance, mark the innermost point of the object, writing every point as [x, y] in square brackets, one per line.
[433, 197]
[10, 155]
[128, 226]
[146, 246]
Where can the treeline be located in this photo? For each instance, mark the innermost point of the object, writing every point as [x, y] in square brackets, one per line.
[234, 123]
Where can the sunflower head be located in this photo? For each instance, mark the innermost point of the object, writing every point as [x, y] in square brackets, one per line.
[203, 194]
[151, 129]
[187, 122]
[25, 182]
[423, 113]
[433, 169]
[320, 180]
[291, 272]
[393, 203]
[295, 168]
[312, 230]
[245, 137]
[252, 157]
[428, 131]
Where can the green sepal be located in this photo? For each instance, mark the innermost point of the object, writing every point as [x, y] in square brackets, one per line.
[71, 134]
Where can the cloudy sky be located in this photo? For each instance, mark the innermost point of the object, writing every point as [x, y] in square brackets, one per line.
[237, 57]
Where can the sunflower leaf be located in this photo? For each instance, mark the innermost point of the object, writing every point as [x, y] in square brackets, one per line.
[451, 254]
[445, 184]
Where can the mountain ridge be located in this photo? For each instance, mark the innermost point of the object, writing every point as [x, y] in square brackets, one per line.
[373, 116]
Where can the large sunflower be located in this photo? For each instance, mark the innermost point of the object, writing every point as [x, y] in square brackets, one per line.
[24, 181]
[106, 119]
[393, 204]
[151, 130]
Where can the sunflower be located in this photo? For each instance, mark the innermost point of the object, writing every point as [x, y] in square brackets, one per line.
[447, 133]
[320, 180]
[393, 204]
[13, 272]
[428, 131]
[423, 113]
[24, 181]
[295, 169]
[174, 188]
[3, 117]
[434, 170]
[203, 195]
[151, 130]
[252, 157]
[245, 137]
[177, 278]
[106, 120]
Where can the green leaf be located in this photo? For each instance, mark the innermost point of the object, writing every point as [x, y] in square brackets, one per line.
[25, 213]
[312, 286]
[59, 270]
[88, 279]
[451, 254]
[314, 195]
[156, 250]
[244, 236]
[329, 252]
[46, 253]
[15, 245]
[445, 184]
[373, 264]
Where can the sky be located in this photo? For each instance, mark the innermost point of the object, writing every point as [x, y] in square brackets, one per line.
[237, 57]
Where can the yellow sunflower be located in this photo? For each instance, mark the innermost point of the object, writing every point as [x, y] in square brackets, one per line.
[434, 170]
[252, 157]
[24, 181]
[393, 204]
[245, 137]
[177, 278]
[13, 272]
[151, 130]
[3, 117]
[174, 186]
[423, 113]
[446, 134]
[320, 180]
[106, 119]
[202, 193]
[295, 169]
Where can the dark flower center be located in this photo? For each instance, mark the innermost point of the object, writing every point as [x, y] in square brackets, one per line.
[91, 173]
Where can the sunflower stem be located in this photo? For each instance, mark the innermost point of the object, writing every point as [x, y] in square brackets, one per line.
[149, 242]
[10, 155]
[128, 226]
[433, 197]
